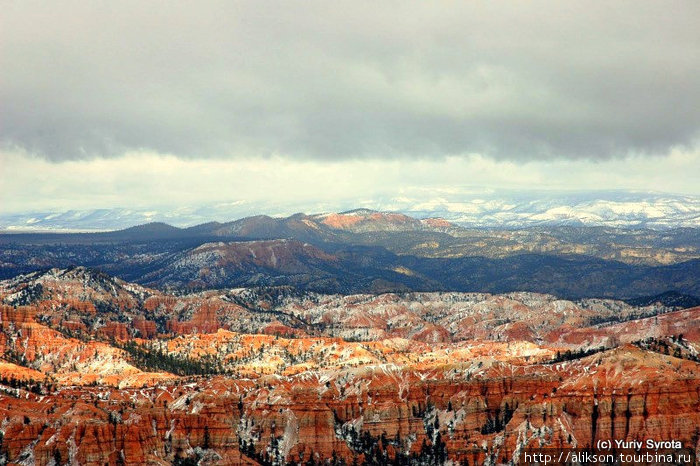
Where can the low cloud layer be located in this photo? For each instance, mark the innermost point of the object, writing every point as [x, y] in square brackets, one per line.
[282, 186]
[514, 81]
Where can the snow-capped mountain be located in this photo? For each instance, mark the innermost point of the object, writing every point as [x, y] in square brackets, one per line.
[471, 208]
[516, 210]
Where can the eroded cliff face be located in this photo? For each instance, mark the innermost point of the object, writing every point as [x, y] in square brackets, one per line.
[87, 304]
[375, 413]
[429, 385]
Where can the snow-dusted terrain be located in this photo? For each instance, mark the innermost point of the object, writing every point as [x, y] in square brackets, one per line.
[474, 208]
[617, 209]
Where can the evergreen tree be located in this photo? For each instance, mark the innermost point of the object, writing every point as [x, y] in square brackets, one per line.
[207, 440]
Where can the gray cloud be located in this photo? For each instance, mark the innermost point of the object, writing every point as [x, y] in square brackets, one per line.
[334, 80]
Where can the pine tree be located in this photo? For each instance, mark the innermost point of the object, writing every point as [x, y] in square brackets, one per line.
[206, 438]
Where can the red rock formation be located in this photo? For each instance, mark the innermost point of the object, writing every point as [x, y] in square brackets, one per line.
[685, 322]
[278, 328]
[114, 331]
[437, 222]
[204, 320]
[414, 391]
[144, 328]
[622, 394]
[18, 315]
[366, 220]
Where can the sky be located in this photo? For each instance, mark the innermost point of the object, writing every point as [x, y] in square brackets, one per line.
[120, 104]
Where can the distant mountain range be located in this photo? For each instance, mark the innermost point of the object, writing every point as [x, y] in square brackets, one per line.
[470, 208]
[368, 251]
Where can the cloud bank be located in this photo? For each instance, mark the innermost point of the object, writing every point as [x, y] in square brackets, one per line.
[282, 186]
[321, 81]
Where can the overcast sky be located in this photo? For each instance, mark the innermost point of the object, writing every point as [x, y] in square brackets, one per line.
[106, 104]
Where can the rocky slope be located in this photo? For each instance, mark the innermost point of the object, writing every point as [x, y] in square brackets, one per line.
[95, 370]
[376, 414]
[85, 303]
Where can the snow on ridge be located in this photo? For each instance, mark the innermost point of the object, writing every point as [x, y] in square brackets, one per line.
[654, 213]
[468, 208]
